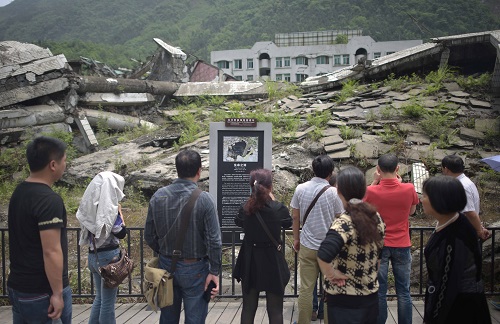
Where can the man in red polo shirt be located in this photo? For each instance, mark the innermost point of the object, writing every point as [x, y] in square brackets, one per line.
[395, 202]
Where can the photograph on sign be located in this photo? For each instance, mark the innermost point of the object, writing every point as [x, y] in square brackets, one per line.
[240, 148]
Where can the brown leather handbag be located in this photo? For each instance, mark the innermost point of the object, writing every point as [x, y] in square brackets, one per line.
[114, 273]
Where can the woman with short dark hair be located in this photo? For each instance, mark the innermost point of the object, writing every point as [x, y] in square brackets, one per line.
[455, 292]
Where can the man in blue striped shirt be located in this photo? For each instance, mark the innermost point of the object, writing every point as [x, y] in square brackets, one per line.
[200, 261]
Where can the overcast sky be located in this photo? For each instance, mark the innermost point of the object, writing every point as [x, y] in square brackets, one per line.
[5, 2]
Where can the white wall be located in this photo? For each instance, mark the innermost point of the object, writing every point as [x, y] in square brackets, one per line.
[311, 52]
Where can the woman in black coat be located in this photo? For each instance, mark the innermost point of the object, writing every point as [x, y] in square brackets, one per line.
[260, 265]
[455, 292]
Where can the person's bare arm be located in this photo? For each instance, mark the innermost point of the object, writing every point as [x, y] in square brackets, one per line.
[296, 229]
[474, 219]
[413, 209]
[53, 264]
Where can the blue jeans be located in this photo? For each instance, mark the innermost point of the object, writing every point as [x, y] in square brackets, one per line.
[189, 285]
[103, 308]
[32, 308]
[401, 267]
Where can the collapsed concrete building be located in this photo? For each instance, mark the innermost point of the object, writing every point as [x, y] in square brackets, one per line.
[41, 92]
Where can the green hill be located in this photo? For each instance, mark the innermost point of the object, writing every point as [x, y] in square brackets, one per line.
[114, 31]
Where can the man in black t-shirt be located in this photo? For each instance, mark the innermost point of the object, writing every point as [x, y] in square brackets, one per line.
[38, 283]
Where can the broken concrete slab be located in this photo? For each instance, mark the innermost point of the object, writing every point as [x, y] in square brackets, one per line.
[40, 89]
[471, 134]
[335, 147]
[492, 125]
[30, 116]
[293, 105]
[331, 131]
[459, 101]
[330, 140]
[321, 107]
[368, 104]
[452, 86]
[354, 113]
[342, 108]
[340, 155]
[17, 53]
[459, 94]
[116, 121]
[402, 97]
[480, 104]
[366, 150]
[418, 138]
[228, 88]
[121, 99]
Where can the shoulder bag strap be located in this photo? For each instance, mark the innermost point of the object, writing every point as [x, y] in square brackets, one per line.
[266, 229]
[185, 219]
[325, 188]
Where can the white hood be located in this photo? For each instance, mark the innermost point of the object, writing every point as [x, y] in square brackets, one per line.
[99, 206]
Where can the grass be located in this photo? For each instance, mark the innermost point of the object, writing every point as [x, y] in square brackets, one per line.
[349, 89]
[413, 110]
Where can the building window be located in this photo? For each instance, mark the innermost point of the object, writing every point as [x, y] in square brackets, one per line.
[249, 77]
[237, 65]
[345, 59]
[223, 64]
[279, 77]
[249, 63]
[286, 77]
[300, 77]
[376, 55]
[389, 53]
[336, 59]
[238, 77]
[301, 60]
[323, 60]
[287, 60]
[279, 62]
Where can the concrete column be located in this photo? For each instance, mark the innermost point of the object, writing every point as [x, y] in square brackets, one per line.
[445, 55]
[495, 78]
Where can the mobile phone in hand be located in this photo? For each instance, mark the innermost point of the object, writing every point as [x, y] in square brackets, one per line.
[207, 295]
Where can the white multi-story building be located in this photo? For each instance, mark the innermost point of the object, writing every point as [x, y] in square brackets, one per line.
[296, 56]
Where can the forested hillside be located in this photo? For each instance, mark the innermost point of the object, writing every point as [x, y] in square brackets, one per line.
[114, 31]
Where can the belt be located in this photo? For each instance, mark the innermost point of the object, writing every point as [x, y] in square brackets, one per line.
[187, 260]
[108, 248]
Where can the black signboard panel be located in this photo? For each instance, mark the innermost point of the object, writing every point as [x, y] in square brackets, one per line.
[239, 152]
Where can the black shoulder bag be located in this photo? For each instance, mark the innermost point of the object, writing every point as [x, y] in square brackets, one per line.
[284, 270]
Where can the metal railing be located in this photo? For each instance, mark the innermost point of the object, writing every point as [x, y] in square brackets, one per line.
[82, 283]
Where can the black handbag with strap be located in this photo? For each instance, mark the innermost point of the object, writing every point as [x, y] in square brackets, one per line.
[325, 188]
[283, 268]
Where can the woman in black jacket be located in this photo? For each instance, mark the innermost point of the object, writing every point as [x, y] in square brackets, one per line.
[260, 266]
[455, 292]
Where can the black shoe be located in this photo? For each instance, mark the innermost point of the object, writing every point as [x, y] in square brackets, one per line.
[321, 316]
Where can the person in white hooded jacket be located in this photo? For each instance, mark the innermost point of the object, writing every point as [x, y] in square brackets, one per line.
[102, 225]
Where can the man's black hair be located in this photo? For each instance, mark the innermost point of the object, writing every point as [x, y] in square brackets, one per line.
[454, 163]
[322, 166]
[388, 163]
[187, 163]
[42, 150]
